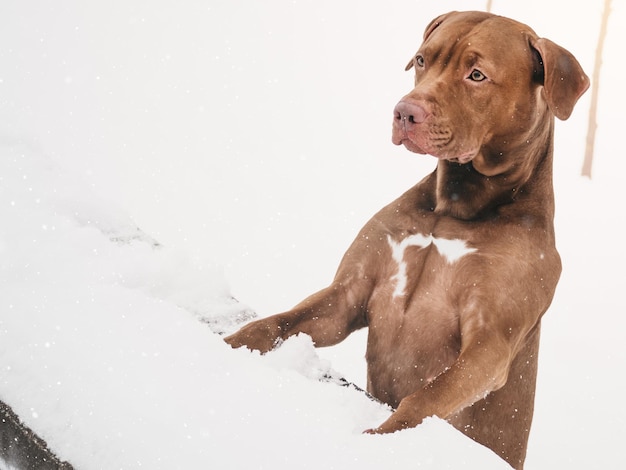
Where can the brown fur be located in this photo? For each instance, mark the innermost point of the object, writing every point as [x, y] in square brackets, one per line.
[460, 340]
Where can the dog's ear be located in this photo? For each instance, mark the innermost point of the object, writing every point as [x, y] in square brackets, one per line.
[434, 24]
[409, 66]
[562, 77]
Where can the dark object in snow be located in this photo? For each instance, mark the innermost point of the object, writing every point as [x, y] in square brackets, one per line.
[21, 448]
[230, 316]
[343, 382]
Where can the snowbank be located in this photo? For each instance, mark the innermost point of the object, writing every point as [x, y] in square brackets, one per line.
[109, 351]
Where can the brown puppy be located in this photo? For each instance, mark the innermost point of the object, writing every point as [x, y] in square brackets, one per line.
[453, 277]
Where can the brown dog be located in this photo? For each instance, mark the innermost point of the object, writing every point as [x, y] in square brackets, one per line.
[453, 277]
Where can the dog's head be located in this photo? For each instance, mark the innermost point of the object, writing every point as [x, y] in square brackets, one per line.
[484, 85]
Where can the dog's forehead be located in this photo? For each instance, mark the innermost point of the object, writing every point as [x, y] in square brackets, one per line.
[485, 32]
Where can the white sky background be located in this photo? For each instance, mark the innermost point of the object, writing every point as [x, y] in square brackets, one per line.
[252, 134]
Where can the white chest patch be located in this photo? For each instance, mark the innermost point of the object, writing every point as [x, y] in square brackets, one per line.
[451, 250]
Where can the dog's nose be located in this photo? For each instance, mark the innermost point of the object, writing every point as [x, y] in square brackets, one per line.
[409, 113]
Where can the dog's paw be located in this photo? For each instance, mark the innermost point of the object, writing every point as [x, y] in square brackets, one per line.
[261, 335]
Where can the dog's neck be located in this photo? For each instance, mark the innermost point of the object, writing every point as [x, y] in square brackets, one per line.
[463, 192]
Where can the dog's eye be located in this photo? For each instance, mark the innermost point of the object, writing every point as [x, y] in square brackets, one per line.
[477, 76]
[419, 60]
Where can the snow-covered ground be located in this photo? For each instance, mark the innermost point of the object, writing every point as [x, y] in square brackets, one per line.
[110, 351]
[157, 158]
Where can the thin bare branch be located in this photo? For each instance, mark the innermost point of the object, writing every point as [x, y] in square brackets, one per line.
[595, 85]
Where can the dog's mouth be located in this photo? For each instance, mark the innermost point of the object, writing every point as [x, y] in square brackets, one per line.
[440, 153]
[438, 142]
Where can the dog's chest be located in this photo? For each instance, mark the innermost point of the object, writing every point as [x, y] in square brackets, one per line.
[413, 311]
[418, 280]
[415, 252]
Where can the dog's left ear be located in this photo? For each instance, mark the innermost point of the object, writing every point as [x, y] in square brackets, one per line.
[563, 78]
[433, 25]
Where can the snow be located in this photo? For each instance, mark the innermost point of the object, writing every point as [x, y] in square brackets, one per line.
[110, 351]
[158, 159]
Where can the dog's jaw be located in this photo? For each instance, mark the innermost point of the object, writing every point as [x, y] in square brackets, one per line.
[439, 153]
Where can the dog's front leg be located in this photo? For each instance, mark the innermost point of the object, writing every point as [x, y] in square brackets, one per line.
[328, 316]
[481, 368]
